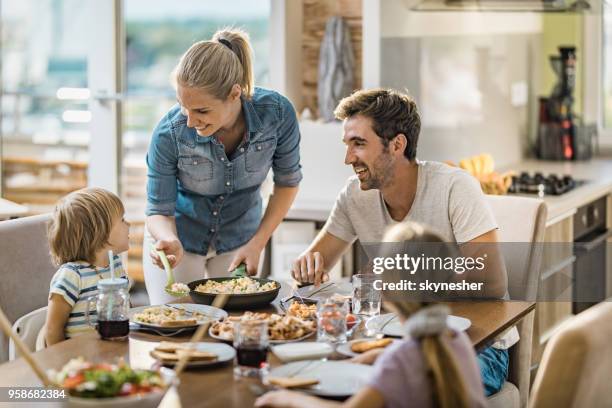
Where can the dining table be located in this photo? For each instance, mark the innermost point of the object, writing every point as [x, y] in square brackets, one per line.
[215, 386]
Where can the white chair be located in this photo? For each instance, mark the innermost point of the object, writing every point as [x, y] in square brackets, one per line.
[29, 328]
[25, 267]
[520, 220]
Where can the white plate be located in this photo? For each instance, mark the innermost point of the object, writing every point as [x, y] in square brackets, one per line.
[231, 340]
[212, 313]
[336, 378]
[224, 354]
[394, 327]
[345, 348]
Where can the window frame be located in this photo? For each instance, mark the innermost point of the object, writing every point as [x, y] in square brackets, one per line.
[593, 94]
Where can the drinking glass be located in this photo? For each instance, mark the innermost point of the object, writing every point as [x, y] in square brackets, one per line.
[366, 300]
[331, 320]
[251, 344]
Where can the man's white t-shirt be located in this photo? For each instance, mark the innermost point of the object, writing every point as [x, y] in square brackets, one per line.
[448, 201]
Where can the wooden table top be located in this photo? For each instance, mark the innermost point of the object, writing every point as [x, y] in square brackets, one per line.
[216, 387]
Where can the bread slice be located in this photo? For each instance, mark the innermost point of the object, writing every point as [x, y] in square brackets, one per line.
[169, 346]
[292, 382]
[194, 355]
[178, 323]
[366, 345]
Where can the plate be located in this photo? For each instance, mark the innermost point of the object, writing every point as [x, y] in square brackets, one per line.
[214, 336]
[345, 348]
[244, 301]
[394, 328]
[336, 378]
[224, 354]
[213, 313]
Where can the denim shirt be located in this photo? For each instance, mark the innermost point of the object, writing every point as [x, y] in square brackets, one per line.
[216, 199]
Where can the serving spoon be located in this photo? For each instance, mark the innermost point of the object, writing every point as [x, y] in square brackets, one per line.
[169, 274]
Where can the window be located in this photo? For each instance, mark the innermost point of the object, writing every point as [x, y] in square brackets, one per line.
[45, 116]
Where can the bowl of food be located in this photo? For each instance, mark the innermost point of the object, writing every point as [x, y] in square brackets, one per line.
[118, 385]
[244, 292]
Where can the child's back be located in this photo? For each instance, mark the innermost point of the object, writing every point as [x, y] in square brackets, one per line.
[401, 373]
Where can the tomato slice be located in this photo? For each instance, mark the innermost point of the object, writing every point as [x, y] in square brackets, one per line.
[71, 382]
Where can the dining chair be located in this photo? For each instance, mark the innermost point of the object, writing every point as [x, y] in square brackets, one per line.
[521, 222]
[25, 267]
[577, 363]
[29, 329]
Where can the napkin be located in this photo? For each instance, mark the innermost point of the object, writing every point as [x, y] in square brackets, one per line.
[309, 350]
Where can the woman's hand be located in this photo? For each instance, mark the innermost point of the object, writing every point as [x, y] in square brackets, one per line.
[173, 249]
[249, 255]
[369, 357]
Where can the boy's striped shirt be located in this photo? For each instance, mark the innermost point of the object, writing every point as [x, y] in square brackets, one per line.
[76, 282]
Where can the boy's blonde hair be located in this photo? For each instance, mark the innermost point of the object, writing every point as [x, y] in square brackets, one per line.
[81, 224]
[447, 384]
[217, 65]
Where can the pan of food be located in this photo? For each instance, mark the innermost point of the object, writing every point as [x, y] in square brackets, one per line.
[244, 292]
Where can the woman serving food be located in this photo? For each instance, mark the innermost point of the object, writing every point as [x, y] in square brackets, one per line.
[207, 160]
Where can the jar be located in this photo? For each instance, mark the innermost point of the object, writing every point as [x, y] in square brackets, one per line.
[112, 308]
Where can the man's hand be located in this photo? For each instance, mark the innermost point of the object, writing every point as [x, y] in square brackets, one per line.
[248, 255]
[310, 268]
[173, 249]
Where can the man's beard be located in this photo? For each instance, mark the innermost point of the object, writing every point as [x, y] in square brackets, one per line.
[381, 173]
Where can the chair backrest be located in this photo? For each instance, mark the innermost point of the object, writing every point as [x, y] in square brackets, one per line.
[521, 221]
[577, 363]
[28, 327]
[25, 267]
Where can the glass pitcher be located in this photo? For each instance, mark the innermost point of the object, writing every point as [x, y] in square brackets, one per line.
[112, 306]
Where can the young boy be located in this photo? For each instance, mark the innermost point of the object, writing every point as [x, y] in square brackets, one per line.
[86, 224]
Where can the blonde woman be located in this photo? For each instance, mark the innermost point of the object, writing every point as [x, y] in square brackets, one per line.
[432, 366]
[207, 160]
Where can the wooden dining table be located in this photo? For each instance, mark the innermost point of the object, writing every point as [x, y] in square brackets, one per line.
[216, 386]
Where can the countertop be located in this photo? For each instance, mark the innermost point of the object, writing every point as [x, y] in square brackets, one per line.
[596, 172]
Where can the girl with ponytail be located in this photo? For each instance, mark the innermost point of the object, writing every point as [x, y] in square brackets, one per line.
[432, 366]
[207, 160]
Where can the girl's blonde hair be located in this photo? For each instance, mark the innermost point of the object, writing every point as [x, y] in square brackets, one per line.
[81, 224]
[448, 387]
[215, 66]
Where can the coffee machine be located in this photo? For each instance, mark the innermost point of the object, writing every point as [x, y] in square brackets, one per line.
[561, 135]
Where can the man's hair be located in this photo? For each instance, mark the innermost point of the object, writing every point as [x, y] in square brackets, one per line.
[391, 112]
[81, 224]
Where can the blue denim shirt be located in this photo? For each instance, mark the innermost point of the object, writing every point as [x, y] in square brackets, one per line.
[215, 198]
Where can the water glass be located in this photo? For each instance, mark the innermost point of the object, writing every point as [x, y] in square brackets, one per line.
[331, 320]
[251, 344]
[366, 300]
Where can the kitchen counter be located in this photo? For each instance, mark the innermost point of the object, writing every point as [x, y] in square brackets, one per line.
[597, 173]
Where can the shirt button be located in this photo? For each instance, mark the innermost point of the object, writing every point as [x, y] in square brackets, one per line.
[223, 159]
[242, 149]
[227, 183]
[229, 164]
[214, 213]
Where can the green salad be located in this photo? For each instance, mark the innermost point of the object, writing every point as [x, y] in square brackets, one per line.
[87, 380]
